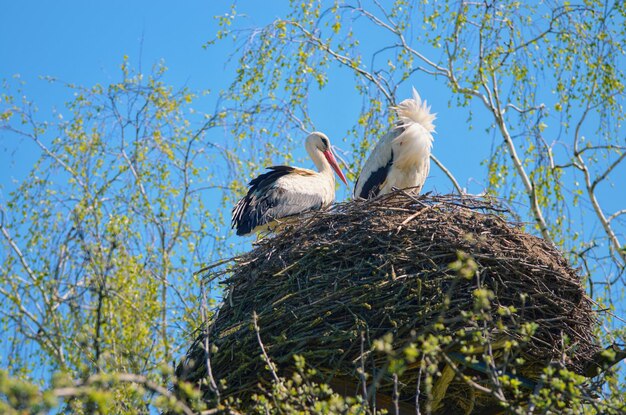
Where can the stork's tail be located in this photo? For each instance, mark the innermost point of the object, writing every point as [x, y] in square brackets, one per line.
[415, 111]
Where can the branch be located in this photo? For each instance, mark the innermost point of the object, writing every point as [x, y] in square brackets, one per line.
[344, 60]
[615, 215]
[608, 171]
[16, 249]
[22, 258]
[49, 153]
[615, 246]
[269, 363]
[529, 187]
[82, 387]
[447, 173]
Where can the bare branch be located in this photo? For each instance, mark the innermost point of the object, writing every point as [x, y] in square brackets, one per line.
[266, 358]
[344, 60]
[616, 214]
[608, 171]
[447, 173]
[517, 163]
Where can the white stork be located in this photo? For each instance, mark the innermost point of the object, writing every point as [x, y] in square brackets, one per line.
[286, 191]
[401, 158]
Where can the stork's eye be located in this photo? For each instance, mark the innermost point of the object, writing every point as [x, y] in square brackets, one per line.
[325, 143]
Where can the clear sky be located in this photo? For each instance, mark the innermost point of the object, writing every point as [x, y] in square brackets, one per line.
[84, 43]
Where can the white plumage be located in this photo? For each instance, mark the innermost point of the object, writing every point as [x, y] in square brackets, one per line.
[401, 158]
[285, 191]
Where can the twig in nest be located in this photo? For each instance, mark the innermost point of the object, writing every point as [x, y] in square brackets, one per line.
[266, 358]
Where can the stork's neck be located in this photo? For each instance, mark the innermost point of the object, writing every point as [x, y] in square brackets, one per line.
[323, 166]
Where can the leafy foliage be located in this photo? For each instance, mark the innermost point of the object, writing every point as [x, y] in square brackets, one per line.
[99, 244]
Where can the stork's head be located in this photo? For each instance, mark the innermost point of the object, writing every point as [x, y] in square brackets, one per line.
[318, 142]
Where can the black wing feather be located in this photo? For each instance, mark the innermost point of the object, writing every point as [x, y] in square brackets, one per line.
[374, 183]
[262, 203]
[269, 178]
[372, 186]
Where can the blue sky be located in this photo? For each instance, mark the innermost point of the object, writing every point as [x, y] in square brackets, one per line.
[84, 43]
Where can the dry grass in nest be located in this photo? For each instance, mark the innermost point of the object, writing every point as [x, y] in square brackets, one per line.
[330, 285]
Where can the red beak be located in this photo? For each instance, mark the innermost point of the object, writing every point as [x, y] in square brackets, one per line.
[333, 163]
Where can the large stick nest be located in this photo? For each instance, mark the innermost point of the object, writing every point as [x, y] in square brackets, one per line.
[327, 287]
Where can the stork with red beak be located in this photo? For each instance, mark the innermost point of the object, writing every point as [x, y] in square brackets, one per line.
[401, 158]
[285, 191]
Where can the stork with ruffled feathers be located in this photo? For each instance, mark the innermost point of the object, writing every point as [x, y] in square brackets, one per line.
[401, 159]
[285, 191]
